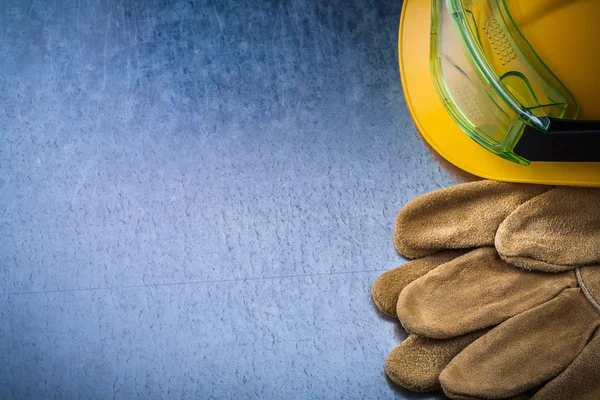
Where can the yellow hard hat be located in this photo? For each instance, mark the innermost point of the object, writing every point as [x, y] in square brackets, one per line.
[512, 75]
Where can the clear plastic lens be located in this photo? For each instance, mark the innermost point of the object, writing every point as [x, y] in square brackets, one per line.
[489, 78]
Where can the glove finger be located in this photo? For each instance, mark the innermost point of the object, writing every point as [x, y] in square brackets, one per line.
[417, 362]
[556, 231]
[462, 216]
[581, 379]
[524, 351]
[473, 292]
[387, 286]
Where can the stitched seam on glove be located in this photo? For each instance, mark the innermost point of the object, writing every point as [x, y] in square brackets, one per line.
[585, 290]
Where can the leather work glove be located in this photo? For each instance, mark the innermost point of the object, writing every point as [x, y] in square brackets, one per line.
[480, 326]
[532, 226]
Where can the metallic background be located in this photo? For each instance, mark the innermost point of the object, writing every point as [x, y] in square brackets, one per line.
[195, 197]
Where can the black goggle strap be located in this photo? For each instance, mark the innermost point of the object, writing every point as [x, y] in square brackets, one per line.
[566, 140]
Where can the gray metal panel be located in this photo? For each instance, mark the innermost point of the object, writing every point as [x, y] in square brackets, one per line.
[195, 197]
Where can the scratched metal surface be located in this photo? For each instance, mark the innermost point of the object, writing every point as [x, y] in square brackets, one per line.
[195, 197]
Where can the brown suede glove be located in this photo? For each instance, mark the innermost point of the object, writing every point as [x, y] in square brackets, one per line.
[539, 322]
[532, 226]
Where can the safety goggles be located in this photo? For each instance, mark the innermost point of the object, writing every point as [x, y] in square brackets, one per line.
[499, 91]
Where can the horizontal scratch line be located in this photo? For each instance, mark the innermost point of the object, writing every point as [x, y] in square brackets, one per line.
[189, 283]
